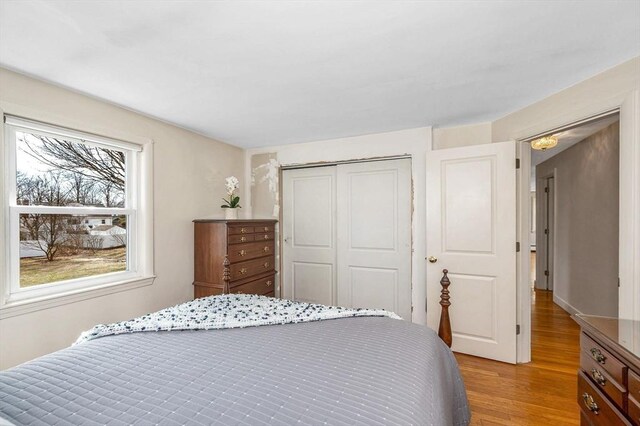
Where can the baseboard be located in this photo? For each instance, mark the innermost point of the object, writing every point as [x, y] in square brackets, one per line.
[565, 305]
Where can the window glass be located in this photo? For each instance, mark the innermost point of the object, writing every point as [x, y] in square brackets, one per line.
[59, 247]
[54, 171]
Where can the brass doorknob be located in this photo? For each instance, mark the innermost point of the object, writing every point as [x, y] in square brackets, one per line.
[432, 259]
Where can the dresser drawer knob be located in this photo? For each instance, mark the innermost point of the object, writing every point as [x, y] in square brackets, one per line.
[243, 230]
[265, 249]
[269, 283]
[598, 377]
[242, 252]
[243, 239]
[597, 355]
[266, 237]
[266, 229]
[590, 403]
[266, 264]
[243, 271]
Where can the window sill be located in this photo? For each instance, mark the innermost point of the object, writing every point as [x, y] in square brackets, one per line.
[15, 308]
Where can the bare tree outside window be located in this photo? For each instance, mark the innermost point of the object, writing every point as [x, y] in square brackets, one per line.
[54, 171]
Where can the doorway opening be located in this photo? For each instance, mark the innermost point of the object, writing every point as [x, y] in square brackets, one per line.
[543, 258]
[574, 235]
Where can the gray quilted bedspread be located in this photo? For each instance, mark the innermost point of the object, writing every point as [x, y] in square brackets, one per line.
[352, 371]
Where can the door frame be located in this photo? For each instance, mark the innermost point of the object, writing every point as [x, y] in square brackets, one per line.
[553, 175]
[629, 224]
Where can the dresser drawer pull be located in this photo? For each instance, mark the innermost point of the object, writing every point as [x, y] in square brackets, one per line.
[265, 249]
[598, 377]
[243, 230]
[266, 237]
[597, 355]
[242, 252]
[243, 239]
[590, 403]
[266, 229]
[266, 264]
[243, 271]
[269, 283]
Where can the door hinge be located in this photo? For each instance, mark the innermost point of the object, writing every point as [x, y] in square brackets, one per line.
[546, 232]
[618, 281]
[546, 189]
[517, 329]
[426, 305]
[546, 273]
[517, 163]
[517, 246]
[412, 309]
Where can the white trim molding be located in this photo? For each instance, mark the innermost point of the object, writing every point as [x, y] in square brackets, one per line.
[629, 261]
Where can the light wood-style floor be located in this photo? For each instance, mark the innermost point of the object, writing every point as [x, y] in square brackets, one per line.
[542, 392]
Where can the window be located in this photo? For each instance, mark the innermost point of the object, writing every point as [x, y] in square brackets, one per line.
[73, 211]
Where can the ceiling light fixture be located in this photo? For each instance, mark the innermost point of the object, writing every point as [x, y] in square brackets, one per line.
[544, 143]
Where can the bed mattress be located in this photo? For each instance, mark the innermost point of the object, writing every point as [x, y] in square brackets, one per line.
[350, 371]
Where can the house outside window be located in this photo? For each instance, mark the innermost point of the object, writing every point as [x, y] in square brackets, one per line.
[74, 212]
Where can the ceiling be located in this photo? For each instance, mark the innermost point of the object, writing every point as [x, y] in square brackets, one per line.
[260, 73]
[568, 138]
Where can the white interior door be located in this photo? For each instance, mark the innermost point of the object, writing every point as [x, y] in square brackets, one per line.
[471, 231]
[374, 235]
[309, 228]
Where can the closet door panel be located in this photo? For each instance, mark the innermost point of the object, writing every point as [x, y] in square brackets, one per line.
[374, 235]
[309, 242]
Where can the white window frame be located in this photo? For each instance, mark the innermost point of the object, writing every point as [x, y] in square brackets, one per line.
[138, 207]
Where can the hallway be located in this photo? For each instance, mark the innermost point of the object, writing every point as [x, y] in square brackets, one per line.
[541, 392]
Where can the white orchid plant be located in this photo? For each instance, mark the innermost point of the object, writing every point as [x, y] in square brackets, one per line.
[232, 183]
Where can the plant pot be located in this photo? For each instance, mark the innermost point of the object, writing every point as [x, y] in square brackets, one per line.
[230, 214]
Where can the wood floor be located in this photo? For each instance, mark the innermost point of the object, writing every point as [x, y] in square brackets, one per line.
[542, 392]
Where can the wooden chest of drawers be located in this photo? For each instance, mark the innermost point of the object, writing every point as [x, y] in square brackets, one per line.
[234, 256]
[609, 376]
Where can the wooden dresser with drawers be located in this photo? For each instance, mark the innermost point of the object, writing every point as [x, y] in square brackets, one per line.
[609, 375]
[234, 256]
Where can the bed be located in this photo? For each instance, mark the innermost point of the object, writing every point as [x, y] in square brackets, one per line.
[347, 369]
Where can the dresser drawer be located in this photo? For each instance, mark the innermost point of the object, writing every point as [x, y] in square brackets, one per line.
[264, 236]
[602, 379]
[603, 357]
[634, 410]
[246, 251]
[241, 238]
[634, 385]
[251, 267]
[263, 227]
[262, 286]
[594, 405]
[240, 229]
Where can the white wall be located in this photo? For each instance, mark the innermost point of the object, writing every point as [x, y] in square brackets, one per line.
[414, 142]
[453, 137]
[188, 184]
[586, 188]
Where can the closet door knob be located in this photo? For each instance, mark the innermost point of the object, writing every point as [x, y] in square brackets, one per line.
[432, 259]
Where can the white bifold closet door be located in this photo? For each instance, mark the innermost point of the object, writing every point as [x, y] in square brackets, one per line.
[347, 235]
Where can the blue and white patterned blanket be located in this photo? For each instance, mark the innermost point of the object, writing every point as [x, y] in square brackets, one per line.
[229, 311]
